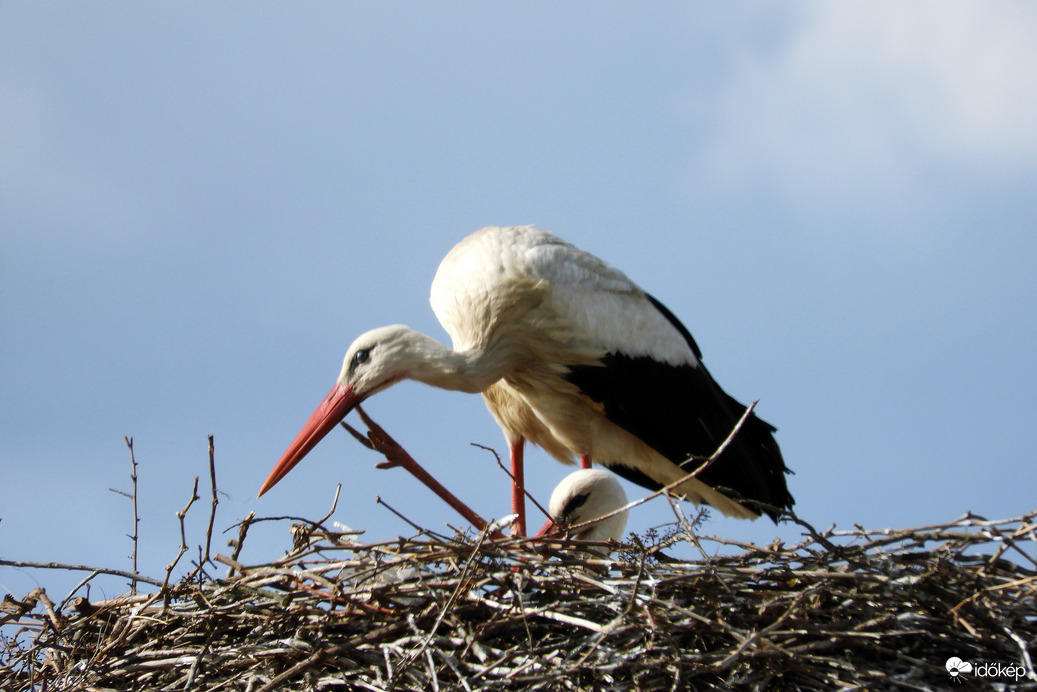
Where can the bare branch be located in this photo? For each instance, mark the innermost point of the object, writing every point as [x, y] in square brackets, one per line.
[136, 516]
[183, 535]
[132, 576]
[215, 500]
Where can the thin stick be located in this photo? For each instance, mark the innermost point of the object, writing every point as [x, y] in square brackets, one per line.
[378, 499]
[240, 541]
[504, 468]
[81, 568]
[48, 606]
[136, 516]
[183, 536]
[334, 504]
[86, 580]
[215, 501]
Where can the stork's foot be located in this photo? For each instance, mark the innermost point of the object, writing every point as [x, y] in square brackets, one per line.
[382, 442]
[396, 456]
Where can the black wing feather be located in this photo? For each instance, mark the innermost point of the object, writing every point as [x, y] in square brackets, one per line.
[681, 412]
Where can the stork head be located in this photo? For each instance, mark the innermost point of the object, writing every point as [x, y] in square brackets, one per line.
[584, 495]
[375, 361]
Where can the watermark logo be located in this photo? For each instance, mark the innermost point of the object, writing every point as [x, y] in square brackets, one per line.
[959, 670]
[956, 668]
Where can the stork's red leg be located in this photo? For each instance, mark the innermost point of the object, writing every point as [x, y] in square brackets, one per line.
[518, 488]
[585, 461]
[395, 455]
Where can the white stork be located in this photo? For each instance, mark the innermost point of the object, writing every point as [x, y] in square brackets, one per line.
[585, 495]
[574, 357]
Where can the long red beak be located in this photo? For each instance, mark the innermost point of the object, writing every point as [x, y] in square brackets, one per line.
[339, 401]
[548, 529]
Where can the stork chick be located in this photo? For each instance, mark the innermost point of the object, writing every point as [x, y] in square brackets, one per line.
[585, 495]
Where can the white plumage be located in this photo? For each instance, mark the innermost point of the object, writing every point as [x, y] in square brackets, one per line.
[574, 357]
[585, 495]
[561, 290]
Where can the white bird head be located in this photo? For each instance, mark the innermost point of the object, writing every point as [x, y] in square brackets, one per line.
[377, 360]
[584, 495]
[382, 357]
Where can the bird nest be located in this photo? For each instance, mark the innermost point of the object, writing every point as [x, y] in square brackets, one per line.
[870, 609]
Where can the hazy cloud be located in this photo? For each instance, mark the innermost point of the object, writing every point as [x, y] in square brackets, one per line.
[861, 100]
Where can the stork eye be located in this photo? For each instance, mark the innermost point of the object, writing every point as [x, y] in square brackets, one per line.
[361, 356]
[574, 504]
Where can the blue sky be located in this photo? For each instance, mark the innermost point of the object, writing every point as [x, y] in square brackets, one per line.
[202, 205]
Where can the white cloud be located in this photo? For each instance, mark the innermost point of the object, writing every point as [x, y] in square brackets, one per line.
[866, 98]
[959, 77]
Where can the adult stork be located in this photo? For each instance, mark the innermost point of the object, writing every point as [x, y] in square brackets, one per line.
[574, 357]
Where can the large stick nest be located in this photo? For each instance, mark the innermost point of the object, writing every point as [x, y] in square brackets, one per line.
[841, 609]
